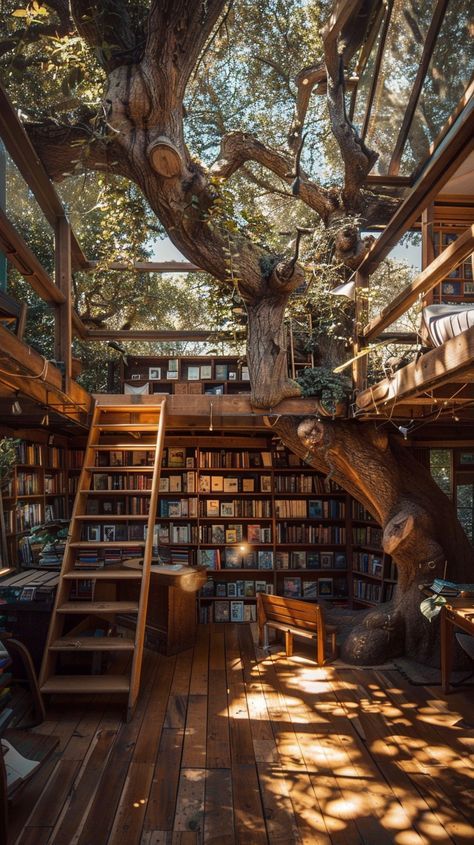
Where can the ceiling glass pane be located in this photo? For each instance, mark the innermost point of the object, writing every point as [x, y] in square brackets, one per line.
[365, 84]
[449, 73]
[403, 49]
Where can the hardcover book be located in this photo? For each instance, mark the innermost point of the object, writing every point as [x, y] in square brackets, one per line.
[232, 558]
[217, 484]
[218, 534]
[265, 560]
[221, 611]
[231, 485]
[292, 587]
[327, 560]
[212, 507]
[237, 611]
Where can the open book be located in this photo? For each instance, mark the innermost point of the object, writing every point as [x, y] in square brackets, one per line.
[17, 767]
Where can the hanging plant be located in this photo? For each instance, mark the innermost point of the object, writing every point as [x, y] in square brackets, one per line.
[332, 389]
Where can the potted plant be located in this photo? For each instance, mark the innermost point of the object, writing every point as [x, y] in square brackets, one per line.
[8, 459]
[331, 389]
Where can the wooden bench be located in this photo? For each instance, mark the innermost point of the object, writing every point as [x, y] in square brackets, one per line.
[294, 617]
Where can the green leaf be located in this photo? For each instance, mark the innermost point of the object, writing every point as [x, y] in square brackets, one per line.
[431, 606]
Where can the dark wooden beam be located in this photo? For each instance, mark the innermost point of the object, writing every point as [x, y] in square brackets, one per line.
[428, 47]
[454, 148]
[376, 70]
[20, 255]
[31, 168]
[147, 266]
[453, 255]
[163, 334]
[63, 320]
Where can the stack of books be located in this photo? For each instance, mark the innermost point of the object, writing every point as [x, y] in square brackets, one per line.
[451, 588]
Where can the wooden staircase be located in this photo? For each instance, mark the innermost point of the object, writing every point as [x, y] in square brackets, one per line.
[120, 474]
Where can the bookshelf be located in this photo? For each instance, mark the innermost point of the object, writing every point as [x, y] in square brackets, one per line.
[373, 572]
[458, 287]
[257, 519]
[202, 374]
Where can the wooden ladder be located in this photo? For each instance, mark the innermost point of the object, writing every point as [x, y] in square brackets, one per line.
[123, 453]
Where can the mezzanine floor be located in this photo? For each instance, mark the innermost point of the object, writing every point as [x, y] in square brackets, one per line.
[229, 745]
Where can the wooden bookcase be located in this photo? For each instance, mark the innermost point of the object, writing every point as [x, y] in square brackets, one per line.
[37, 491]
[258, 519]
[458, 287]
[202, 374]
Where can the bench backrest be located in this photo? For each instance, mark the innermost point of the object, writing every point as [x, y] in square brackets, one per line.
[292, 612]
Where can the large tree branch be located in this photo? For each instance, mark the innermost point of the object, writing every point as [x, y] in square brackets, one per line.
[177, 32]
[106, 26]
[237, 148]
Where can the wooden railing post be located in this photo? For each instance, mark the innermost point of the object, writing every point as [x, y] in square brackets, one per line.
[359, 367]
[63, 317]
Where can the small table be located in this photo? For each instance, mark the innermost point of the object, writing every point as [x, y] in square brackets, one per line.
[456, 615]
[171, 612]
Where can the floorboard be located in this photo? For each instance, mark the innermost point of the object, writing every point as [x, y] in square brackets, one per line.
[231, 745]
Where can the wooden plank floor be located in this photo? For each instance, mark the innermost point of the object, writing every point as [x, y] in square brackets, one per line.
[231, 745]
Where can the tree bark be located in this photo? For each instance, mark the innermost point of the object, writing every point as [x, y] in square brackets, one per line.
[420, 529]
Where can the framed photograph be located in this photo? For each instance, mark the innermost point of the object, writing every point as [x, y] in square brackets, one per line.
[221, 372]
[93, 533]
[154, 373]
[236, 611]
[193, 373]
[230, 535]
[173, 365]
[206, 372]
[227, 509]
[109, 533]
[135, 377]
[231, 485]
[212, 507]
[205, 484]
[325, 587]
[172, 375]
[327, 560]
[232, 375]
[221, 611]
[217, 535]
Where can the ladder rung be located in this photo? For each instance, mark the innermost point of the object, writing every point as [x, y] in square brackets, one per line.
[92, 644]
[114, 492]
[99, 607]
[126, 447]
[108, 574]
[86, 684]
[126, 426]
[105, 517]
[120, 469]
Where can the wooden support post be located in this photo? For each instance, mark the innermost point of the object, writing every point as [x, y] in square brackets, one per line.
[288, 643]
[63, 321]
[427, 244]
[359, 367]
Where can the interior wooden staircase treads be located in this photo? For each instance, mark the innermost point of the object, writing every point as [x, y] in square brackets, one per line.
[96, 593]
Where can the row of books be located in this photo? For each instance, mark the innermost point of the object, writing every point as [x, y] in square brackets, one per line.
[30, 453]
[304, 483]
[183, 482]
[98, 558]
[28, 483]
[133, 505]
[24, 516]
[178, 457]
[368, 563]
[310, 560]
[309, 509]
[243, 508]
[234, 557]
[121, 481]
[51, 555]
[219, 534]
[234, 589]
[169, 508]
[367, 535]
[55, 509]
[228, 611]
[221, 484]
[333, 535]
[360, 513]
[366, 590]
[76, 458]
[297, 588]
[54, 483]
[124, 457]
[242, 459]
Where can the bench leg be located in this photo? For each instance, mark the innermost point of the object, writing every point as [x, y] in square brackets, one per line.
[288, 643]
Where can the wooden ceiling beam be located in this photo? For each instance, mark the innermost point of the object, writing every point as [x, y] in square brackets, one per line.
[453, 255]
[146, 266]
[32, 169]
[453, 149]
[164, 334]
[25, 261]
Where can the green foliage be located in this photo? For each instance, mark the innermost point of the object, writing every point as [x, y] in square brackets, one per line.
[325, 385]
[8, 457]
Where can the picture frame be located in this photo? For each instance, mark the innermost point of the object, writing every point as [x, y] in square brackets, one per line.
[193, 373]
[232, 375]
[172, 375]
[206, 372]
[227, 509]
[108, 533]
[230, 535]
[135, 377]
[325, 587]
[173, 365]
[94, 533]
[154, 373]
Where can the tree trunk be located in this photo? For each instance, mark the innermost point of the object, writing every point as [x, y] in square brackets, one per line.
[267, 352]
[420, 529]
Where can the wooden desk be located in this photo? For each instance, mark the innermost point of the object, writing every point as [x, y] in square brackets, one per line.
[453, 616]
[171, 613]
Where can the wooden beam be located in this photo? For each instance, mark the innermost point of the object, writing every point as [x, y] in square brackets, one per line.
[32, 169]
[343, 11]
[376, 70]
[199, 405]
[428, 47]
[451, 362]
[453, 255]
[63, 321]
[164, 334]
[147, 266]
[20, 255]
[454, 148]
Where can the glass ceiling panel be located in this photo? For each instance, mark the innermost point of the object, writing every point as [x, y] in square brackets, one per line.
[365, 84]
[449, 72]
[403, 49]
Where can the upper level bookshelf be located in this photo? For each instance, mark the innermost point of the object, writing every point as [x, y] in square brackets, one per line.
[458, 287]
[201, 374]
